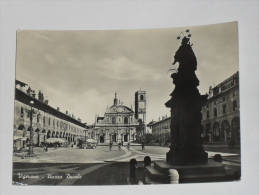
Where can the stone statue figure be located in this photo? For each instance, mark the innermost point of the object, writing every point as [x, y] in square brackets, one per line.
[185, 104]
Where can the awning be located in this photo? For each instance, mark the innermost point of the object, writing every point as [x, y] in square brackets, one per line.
[16, 138]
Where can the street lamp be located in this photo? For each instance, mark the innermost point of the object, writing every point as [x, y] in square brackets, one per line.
[86, 130]
[30, 152]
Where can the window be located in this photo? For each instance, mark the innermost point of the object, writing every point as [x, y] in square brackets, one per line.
[49, 121]
[126, 120]
[113, 120]
[224, 98]
[38, 118]
[22, 113]
[208, 114]
[224, 108]
[215, 112]
[57, 123]
[141, 97]
[44, 120]
[207, 105]
[54, 122]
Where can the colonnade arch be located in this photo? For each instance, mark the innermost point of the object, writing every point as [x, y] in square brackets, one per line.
[216, 132]
[225, 133]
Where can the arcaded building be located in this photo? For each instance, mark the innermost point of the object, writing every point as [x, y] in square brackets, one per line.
[120, 122]
[47, 122]
[220, 113]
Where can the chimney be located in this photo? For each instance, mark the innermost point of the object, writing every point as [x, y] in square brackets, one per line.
[67, 112]
[58, 109]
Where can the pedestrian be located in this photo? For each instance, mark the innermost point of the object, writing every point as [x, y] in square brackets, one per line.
[110, 146]
[143, 145]
[119, 146]
[46, 147]
[128, 146]
[122, 143]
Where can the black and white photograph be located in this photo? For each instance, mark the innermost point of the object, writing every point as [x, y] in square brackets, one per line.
[119, 107]
[129, 97]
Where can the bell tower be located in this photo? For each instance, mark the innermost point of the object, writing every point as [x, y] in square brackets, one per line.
[140, 105]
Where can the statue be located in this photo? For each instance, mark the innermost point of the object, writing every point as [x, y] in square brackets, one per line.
[185, 103]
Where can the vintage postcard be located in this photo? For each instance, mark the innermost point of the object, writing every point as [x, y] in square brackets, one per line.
[127, 107]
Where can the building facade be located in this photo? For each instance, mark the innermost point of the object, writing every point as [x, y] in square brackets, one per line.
[161, 129]
[220, 113]
[120, 123]
[47, 122]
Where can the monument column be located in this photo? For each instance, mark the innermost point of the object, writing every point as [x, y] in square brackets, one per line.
[185, 103]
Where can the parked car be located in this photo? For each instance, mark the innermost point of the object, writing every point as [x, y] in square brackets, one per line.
[87, 144]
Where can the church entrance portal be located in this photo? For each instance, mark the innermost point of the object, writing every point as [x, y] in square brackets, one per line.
[113, 138]
[101, 139]
[126, 138]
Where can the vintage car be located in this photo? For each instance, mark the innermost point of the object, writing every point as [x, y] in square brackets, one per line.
[89, 143]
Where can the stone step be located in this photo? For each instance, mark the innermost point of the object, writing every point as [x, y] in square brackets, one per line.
[210, 168]
[149, 181]
[203, 178]
[155, 175]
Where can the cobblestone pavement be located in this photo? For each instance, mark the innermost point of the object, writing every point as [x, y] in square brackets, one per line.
[73, 166]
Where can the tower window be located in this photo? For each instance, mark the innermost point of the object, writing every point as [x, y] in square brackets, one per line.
[141, 97]
[208, 114]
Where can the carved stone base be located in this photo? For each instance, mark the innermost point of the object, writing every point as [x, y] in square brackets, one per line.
[182, 156]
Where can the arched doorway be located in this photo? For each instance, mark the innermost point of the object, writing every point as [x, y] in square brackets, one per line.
[53, 134]
[21, 132]
[57, 135]
[236, 129]
[125, 137]
[113, 137]
[44, 135]
[225, 133]
[216, 134]
[102, 138]
[49, 134]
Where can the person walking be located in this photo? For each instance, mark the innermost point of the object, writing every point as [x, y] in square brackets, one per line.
[119, 146]
[110, 146]
[128, 146]
[143, 145]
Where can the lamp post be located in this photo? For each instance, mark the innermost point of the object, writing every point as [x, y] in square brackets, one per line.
[30, 152]
[86, 130]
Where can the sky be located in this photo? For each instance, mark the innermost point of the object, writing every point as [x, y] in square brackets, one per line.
[80, 71]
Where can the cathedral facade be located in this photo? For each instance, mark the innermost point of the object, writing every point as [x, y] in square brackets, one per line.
[120, 123]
